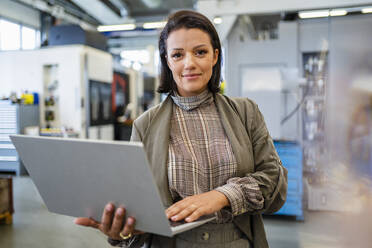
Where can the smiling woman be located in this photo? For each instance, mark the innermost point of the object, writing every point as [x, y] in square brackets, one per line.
[191, 58]
[189, 33]
[210, 154]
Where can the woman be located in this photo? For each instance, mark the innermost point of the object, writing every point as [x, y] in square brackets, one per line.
[210, 154]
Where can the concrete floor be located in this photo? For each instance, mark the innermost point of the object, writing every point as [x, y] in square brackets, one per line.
[33, 226]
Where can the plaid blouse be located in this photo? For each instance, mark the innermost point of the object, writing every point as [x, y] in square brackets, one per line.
[201, 158]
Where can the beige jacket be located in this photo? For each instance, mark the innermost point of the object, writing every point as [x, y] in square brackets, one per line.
[251, 143]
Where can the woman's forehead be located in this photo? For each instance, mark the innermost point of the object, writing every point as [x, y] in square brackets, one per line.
[183, 37]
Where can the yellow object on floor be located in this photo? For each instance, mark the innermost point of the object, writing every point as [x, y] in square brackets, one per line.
[6, 218]
[6, 199]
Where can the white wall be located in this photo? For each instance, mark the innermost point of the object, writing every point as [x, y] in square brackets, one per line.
[100, 65]
[243, 52]
[314, 34]
[23, 70]
[251, 52]
[20, 13]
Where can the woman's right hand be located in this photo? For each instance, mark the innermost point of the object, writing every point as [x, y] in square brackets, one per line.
[112, 223]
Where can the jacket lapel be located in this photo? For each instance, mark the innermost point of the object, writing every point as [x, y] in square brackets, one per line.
[156, 143]
[237, 135]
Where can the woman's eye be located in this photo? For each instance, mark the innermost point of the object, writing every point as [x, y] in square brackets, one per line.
[201, 52]
[176, 55]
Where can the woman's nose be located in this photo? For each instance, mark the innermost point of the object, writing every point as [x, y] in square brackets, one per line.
[189, 61]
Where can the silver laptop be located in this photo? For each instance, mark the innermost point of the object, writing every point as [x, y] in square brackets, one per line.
[79, 177]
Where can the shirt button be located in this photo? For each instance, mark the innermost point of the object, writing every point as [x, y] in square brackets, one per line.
[205, 236]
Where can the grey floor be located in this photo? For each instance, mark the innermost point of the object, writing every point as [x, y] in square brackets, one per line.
[33, 226]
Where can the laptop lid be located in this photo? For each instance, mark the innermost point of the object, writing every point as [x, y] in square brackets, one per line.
[79, 177]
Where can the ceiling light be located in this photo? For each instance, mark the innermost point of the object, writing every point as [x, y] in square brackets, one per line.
[152, 3]
[217, 20]
[313, 14]
[153, 25]
[120, 27]
[137, 66]
[338, 12]
[367, 10]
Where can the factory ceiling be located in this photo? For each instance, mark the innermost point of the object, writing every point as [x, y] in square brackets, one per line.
[119, 11]
[91, 13]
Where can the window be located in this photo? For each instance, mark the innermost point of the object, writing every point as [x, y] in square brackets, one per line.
[38, 39]
[28, 38]
[10, 38]
[14, 36]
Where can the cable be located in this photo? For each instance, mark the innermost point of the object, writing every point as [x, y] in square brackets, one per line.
[297, 107]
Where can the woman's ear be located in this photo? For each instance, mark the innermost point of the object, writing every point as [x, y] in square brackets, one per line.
[215, 56]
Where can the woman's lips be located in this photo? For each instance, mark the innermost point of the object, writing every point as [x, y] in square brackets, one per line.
[191, 76]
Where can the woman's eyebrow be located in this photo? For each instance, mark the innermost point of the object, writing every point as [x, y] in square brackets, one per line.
[177, 49]
[196, 47]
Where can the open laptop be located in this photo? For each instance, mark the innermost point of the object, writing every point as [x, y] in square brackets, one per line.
[78, 177]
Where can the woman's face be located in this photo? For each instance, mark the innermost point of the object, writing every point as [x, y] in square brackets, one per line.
[191, 58]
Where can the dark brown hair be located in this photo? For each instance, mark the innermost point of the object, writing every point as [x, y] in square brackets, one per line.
[187, 19]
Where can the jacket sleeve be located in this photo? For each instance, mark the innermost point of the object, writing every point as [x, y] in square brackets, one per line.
[269, 173]
[264, 190]
[243, 193]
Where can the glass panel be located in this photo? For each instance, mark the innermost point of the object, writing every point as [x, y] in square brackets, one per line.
[28, 38]
[38, 42]
[9, 35]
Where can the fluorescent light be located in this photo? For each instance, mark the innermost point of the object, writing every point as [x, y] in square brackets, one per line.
[152, 25]
[313, 14]
[338, 12]
[367, 10]
[120, 27]
[217, 20]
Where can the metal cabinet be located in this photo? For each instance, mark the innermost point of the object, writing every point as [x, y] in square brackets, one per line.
[290, 154]
[13, 119]
[8, 125]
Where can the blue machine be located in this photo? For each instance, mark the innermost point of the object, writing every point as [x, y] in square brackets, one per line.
[290, 154]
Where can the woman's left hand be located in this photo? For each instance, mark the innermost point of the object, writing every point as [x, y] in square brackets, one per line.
[193, 207]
